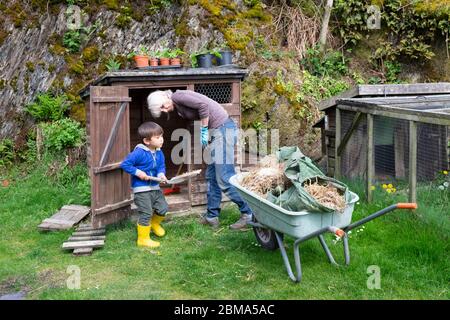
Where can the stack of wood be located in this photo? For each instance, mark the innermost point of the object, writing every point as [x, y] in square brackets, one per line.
[85, 239]
[65, 218]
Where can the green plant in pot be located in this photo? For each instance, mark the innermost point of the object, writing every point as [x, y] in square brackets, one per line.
[140, 57]
[174, 55]
[154, 58]
[203, 58]
[226, 55]
[164, 57]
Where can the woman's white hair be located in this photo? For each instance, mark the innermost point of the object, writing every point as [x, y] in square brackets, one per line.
[155, 101]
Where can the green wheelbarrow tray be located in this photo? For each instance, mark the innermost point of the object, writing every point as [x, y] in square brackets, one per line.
[271, 222]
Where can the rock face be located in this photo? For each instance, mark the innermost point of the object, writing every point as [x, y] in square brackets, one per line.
[33, 60]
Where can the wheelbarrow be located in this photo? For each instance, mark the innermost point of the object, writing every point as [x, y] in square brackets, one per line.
[271, 222]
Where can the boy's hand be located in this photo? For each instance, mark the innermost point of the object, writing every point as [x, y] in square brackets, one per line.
[164, 178]
[143, 176]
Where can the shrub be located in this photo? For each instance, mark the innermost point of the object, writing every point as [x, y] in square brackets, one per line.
[331, 63]
[48, 107]
[61, 134]
[6, 152]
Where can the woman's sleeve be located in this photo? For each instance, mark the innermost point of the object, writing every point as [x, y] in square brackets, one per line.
[193, 102]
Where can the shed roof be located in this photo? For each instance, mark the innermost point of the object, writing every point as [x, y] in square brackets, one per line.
[166, 74]
[387, 90]
[423, 108]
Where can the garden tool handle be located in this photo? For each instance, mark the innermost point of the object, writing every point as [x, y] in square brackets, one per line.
[407, 205]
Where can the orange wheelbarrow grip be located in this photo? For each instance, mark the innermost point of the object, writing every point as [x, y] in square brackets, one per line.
[340, 233]
[406, 205]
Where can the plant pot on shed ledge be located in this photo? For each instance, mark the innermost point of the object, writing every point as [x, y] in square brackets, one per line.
[141, 61]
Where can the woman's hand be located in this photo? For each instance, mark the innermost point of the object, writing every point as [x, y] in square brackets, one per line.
[204, 136]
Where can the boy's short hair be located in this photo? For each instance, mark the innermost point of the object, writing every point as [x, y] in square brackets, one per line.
[149, 129]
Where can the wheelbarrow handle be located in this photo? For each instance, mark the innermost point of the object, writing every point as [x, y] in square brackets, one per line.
[406, 205]
[380, 213]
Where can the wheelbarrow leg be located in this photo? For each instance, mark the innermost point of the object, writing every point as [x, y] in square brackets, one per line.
[287, 264]
[346, 250]
[327, 250]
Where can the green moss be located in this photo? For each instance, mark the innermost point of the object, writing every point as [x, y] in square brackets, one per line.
[76, 66]
[17, 14]
[51, 68]
[26, 84]
[30, 66]
[112, 4]
[58, 49]
[102, 33]
[123, 21]
[90, 54]
[257, 12]
[13, 83]
[2, 84]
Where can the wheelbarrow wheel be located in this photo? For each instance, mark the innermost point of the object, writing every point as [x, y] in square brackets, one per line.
[266, 237]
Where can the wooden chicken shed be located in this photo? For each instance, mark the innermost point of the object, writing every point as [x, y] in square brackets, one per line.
[116, 106]
[386, 132]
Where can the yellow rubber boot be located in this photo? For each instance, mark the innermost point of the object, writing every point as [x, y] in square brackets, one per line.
[144, 237]
[156, 225]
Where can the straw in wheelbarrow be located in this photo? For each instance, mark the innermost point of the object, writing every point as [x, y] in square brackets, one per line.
[267, 176]
[326, 194]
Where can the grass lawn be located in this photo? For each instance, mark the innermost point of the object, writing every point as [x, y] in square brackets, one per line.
[195, 262]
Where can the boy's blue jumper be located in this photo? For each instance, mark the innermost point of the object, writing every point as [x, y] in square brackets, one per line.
[142, 159]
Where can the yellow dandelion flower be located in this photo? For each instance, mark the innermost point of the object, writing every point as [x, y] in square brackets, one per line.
[390, 186]
[394, 189]
[445, 172]
[388, 191]
[385, 186]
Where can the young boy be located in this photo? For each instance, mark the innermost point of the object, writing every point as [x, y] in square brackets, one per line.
[147, 160]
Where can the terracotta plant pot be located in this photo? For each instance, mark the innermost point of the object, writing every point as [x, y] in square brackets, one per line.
[175, 61]
[164, 61]
[153, 62]
[141, 61]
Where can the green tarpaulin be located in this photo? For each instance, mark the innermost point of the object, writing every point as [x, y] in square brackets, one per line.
[300, 169]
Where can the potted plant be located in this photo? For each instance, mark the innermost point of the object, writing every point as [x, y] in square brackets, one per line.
[164, 57]
[154, 61]
[226, 55]
[203, 58]
[140, 57]
[175, 56]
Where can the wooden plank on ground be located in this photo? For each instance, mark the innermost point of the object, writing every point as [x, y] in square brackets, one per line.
[83, 244]
[65, 218]
[83, 252]
[86, 238]
[99, 232]
[89, 228]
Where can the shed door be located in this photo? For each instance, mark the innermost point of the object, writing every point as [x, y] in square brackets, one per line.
[109, 132]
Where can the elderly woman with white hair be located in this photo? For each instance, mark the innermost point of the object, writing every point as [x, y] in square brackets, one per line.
[194, 106]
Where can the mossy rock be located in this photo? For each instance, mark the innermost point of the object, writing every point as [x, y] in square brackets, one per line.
[112, 4]
[58, 49]
[30, 66]
[90, 54]
[76, 66]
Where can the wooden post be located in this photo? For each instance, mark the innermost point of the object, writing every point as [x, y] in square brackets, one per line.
[412, 161]
[337, 157]
[370, 158]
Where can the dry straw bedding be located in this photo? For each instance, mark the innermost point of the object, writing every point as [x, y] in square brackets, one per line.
[269, 174]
